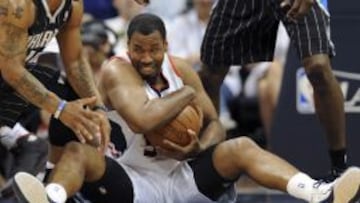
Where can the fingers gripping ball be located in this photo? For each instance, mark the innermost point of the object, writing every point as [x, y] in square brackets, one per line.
[176, 130]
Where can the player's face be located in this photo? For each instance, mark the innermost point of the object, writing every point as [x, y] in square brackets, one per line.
[147, 53]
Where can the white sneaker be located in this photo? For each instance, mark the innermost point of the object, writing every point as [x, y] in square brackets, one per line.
[346, 188]
[29, 189]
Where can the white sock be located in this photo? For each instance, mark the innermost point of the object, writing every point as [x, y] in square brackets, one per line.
[9, 136]
[303, 187]
[56, 192]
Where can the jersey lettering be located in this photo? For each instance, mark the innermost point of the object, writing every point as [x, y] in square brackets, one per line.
[40, 40]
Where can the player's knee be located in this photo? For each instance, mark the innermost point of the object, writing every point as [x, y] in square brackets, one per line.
[243, 145]
[75, 149]
[318, 71]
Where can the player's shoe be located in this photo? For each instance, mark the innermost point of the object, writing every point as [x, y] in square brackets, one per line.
[346, 188]
[29, 189]
[30, 154]
[333, 174]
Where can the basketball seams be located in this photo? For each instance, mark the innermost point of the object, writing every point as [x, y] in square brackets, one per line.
[176, 130]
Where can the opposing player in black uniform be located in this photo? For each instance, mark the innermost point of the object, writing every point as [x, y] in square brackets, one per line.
[230, 40]
[26, 27]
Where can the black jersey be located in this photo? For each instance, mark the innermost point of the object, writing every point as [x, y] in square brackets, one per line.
[46, 25]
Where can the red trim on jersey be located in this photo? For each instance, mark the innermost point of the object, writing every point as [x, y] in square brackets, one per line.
[174, 67]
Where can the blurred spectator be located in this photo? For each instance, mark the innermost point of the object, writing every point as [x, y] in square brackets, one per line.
[187, 31]
[261, 82]
[185, 36]
[269, 85]
[96, 44]
[167, 9]
[100, 9]
[126, 10]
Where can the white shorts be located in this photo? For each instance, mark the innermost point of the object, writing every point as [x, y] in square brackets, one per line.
[178, 187]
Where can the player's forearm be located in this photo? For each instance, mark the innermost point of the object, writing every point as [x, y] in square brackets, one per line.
[213, 133]
[158, 112]
[80, 77]
[30, 88]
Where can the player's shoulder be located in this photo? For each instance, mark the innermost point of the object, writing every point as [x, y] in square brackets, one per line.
[180, 64]
[77, 12]
[116, 66]
[117, 62]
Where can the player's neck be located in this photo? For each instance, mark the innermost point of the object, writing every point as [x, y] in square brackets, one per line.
[158, 83]
[54, 5]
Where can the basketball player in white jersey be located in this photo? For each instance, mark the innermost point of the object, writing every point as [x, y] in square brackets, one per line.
[145, 90]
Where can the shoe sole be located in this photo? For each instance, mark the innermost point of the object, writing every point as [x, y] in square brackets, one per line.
[28, 189]
[346, 188]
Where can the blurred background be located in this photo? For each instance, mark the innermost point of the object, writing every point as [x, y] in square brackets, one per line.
[269, 102]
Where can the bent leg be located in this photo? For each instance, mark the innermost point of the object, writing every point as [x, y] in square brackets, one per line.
[78, 163]
[241, 155]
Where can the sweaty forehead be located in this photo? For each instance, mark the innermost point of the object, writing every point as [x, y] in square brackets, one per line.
[148, 39]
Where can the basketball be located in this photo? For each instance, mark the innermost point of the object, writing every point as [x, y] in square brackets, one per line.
[176, 131]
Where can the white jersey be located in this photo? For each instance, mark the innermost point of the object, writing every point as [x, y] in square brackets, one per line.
[155, 179]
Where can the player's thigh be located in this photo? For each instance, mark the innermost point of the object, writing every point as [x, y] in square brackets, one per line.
[239, 32]
[115, 185]
[311, 34]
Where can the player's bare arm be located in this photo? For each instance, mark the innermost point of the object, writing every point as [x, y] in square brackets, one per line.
[122, 83]
[212, 131]
[78, 70]
[15, 18]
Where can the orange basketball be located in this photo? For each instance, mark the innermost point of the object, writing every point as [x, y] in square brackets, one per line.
[176, 130]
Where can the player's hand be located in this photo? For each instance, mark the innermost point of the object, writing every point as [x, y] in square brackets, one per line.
[143, 2]
[297, 9]
[84, 122]
[105, 130]
[180, 153]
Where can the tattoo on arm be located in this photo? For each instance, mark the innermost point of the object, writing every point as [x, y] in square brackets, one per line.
[82, 79]
[18, 13]
[13, 40]
[13, 43]
[30, 87]
[3, 11]
[4, 8]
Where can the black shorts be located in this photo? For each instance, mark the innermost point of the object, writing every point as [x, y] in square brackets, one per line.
[209, 182]
[59, 134]
[114, 186]
[12, 105]
[244, 31]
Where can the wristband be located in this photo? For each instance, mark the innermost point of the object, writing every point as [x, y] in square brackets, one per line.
[100, 107]
[59, 109]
